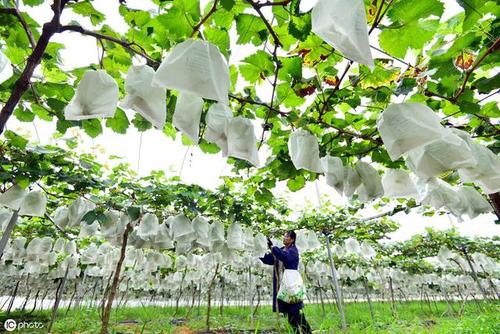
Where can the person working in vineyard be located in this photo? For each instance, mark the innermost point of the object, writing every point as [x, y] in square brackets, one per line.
[288, 291]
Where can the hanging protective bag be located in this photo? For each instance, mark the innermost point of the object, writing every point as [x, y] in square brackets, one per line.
[241, 140]
[406, 126]
[398, 184]
[476, 203]
[334, 171]
[96, 97]
[143, 97]
[292, 289]
[235, 237]
[202, 229]
[486, 171]
[187, 115]
[5, 68]
[343, 25]
[148, 227]
[181, 226]
[304, 151]
[218, 115]
[371, 182]
[13, 197]
[352, 181]
[77, 210]
[196, 67]
[34, 204]
[446, 153]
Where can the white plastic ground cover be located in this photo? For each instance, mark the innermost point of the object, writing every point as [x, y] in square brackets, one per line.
[334, 171]
[449, 152]
[486, 172]
[143, 97]
[343, 25]
[371, 184]
[304, 151]
[406, 126]
[241, 140]
[5, 68]
[196, 67]
[398, 184]
[218, 115]
[187, 115]
[96, 97]
[476, 203]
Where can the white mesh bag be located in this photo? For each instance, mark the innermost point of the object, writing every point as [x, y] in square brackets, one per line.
[77, 210]
[217, 117]
[334, 171]
[187, 115]
[486, 172]
[143, 97]
[406, 126]
[440, 194]
[13, 197]
[259, 243]
[312, 240]
[304, 151]
[235, 236]
[367, 251]
[148, 227]
[241, 140]
[61, 216]
[88, 230]
[34, 204]
[447, 153]
[181, 226]
[343, 25]
[197, 67]
[477, 204]
[202, 229]
[95, 97]
[352, 181]
[352, 246]
[5, 68]
[398, 184]
[371, 182]
[5, 216]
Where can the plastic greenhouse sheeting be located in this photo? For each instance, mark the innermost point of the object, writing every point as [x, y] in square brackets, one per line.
[196, 67]
[304, 151]
[343, 25]
[218, 115]
[398, 184]
[447, 153]
[143, 97]
[5, 68]
[406, 126]
[96, 97]
[187, 115]
[241, 140]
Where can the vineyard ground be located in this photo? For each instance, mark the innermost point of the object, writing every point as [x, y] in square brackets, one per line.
[409, 317]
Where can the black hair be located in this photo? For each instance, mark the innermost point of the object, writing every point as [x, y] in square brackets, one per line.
[292, 235]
